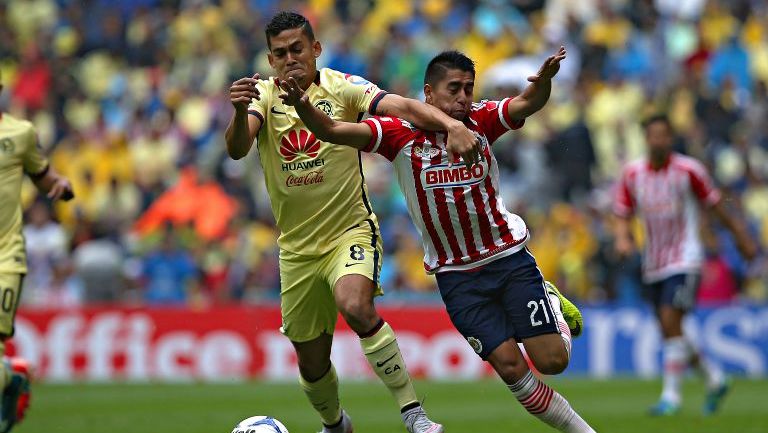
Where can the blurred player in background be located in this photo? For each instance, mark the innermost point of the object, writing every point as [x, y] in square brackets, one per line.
[666, 190]
[493, 290]
[330, 246]
[19, 154]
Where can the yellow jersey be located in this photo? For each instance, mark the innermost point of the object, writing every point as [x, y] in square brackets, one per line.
[317, 190]
[19, 154]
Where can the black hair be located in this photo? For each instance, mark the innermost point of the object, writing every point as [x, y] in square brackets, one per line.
[286, 20]
[444, 61]
[657, 118]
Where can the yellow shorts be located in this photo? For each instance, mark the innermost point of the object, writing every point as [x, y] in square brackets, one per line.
[10, 292]
[307, 282]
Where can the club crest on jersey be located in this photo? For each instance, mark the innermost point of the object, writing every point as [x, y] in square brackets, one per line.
[442, 176]
[7, 146]
[428, 152]
[299, 143]
[325, 107]
[476, 345]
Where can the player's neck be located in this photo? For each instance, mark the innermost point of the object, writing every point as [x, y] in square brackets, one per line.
[658, 162]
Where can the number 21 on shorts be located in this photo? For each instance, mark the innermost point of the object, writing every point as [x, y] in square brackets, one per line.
[534, 307]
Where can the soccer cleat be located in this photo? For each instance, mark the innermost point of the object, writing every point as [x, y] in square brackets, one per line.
[571, 313]
[16, 394]
[664, 408]
[416, 421]
[715, 398]
[344, 426]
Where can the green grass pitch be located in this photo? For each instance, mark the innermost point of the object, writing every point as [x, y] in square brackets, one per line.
[615, 406]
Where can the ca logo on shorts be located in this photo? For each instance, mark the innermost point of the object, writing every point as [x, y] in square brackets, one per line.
[477, 346]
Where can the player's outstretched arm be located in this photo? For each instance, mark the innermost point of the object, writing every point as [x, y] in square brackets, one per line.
[242, 128]
[623, 236]
[357, 135]
[54, 185]
[536, 95]
[744, 241]
[460, 140]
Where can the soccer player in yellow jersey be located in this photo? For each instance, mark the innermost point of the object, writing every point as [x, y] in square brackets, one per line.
[19, 154]
[330, 247]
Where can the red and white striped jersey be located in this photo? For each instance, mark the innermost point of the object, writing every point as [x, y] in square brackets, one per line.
[667, 201]
[458, 211]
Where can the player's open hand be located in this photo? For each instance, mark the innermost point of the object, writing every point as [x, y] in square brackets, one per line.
[61, 189]
[294, 94]
[550, 67]
[242, 91]
[461, 141]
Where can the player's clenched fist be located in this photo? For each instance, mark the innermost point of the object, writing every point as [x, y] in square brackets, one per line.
[242, 91]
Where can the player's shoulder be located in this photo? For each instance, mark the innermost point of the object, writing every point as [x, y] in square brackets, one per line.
[687, 163]
[17, 124]
[397, 123]
[635, 166]
[484, 105]
[334, 80]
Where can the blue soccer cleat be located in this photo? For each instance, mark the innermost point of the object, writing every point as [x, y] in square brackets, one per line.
[715, 398]
[664, 408]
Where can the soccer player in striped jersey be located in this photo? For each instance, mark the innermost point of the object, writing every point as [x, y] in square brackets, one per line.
[330, 247]
[19, 154]
[667, 191]
[489, 281]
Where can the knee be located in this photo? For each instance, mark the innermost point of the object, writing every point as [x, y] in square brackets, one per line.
[553, 362]
[357, 310]
[511, 370]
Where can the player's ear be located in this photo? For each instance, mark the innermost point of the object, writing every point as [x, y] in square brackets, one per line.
[427, 93]
[317, 49]
[271, 59]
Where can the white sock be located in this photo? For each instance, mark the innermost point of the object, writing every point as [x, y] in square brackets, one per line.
[547, 405]
[676, 358]
[712, 373]
[562, 325]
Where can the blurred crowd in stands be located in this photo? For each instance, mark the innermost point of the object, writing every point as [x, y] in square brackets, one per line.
[130, 101]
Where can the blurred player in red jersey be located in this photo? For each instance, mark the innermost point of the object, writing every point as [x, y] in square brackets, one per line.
[667, 191]
[19, 154]
[489, 281]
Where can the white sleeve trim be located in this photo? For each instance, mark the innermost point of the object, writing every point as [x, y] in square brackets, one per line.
[500, 110]
[378, 135]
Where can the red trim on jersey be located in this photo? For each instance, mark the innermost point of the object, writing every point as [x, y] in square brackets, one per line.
[416, 165]
[442, 208]
[466, 223]
[482, 219]
[498, 218]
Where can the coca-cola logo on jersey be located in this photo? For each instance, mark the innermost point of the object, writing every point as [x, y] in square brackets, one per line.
[442, 176]
[311, 178]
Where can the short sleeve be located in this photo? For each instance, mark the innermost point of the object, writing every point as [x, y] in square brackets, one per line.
[702, 185]
[360, 94]
[493, 118]
[390, 135]
[258, 107]
[35, 164]
[623, 202]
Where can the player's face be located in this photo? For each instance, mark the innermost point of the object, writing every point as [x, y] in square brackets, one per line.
[294, 55]
[453, 94]
[660, 139]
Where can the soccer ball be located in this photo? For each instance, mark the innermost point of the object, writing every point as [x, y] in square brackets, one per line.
[260, 424]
